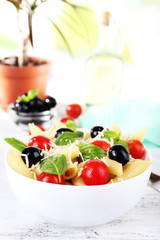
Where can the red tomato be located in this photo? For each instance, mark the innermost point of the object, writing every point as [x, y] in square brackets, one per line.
[73, 110]
[95, 172]
[64, 120]
[39, 127]
[136, 148]
[102, 144]
[50, 178]
[40, 142]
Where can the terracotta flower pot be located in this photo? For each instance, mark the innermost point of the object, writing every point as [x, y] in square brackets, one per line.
[14, 81]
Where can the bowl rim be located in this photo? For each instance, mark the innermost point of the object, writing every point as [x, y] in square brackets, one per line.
[83, 186]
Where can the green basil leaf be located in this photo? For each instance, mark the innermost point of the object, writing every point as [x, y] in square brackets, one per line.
[90, 151]
[30, 95]
[68, 137]
[111, 134]
[55, 164]
[33, 93]
[123, 143]
[70, 124]
[20, 146]
[24, 98]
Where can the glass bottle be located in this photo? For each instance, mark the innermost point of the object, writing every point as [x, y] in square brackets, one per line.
[104, 66]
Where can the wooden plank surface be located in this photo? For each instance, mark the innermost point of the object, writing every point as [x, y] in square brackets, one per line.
[142, 222]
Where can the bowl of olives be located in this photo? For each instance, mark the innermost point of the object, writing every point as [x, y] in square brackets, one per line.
[29, 107]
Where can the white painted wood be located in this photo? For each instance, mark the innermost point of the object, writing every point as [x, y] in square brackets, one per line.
[141, 222]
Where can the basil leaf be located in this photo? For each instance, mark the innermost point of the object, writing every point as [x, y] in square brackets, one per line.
[55, 164]
[20, 146]
[30, 95]
[90, 151]
[70, 124]
[24, 98]
[111, 134]
[124, 144]
[68, 137]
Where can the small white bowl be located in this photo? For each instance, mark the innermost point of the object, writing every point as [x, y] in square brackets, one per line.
[78, 205]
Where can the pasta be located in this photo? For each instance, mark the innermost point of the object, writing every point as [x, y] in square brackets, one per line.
[115, 168]
[73, 153]
[139, 135]
[132, 169]
[116, 128]
[16, 163]
[70, 172]
[34, 130]
[59, 125]
[78, 181]
[70, 152]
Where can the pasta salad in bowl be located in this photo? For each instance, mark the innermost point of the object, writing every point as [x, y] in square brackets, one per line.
[78, 177]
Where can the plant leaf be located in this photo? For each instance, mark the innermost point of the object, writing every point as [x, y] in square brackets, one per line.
[74, 29]
[19, 145]
[70, 124]
[111, 134]
[30, 95]
[33, 93]
[68, 137]
[123, 143]
[90, 151]
[75, 9]
[62, 36]
[76, 6]
[55, 164]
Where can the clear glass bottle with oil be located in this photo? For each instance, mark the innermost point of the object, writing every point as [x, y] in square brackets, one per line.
[105, 65]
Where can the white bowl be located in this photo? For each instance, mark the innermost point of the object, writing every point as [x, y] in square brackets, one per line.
[78, 205]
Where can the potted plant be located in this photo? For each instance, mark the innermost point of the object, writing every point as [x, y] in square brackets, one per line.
[21, 73]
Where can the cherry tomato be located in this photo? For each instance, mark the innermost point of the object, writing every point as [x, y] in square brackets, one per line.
[73, 110]
[102, 144]
[50, 178]
[136, 148]
[39, 127]
[95, 172]
[64, 120]
[41, 142]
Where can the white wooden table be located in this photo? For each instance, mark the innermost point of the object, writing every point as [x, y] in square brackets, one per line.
[141, 222]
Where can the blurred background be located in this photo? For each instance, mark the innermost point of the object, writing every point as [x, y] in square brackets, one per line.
[138, 103]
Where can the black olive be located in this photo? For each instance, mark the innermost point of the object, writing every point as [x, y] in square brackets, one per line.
[33, 154]
[22, 106]
[50, 102]
[61, 130]
[119, 153]
[36, 105]
[95, 131]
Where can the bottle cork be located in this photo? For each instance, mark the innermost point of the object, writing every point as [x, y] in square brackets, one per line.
[106, 18]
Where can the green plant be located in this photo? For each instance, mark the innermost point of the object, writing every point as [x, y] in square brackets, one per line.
[30, 7]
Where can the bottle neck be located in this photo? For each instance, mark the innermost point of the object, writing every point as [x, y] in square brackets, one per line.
[110, 41]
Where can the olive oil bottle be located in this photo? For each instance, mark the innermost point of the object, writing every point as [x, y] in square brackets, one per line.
[104, 66]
